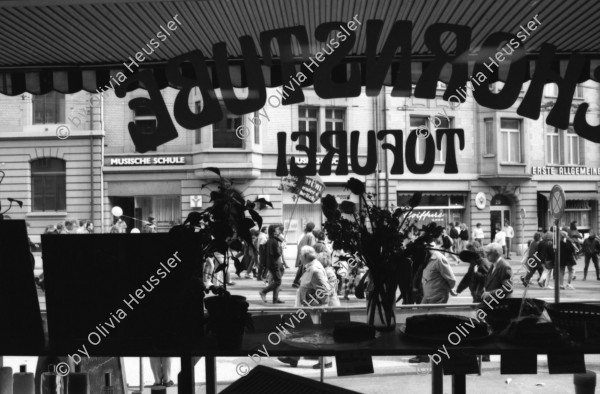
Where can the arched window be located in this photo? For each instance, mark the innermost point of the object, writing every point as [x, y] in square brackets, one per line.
[48, 185]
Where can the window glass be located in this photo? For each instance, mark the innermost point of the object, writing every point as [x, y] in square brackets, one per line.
[198, 132]
[49, 108]
[224, 131]
[48, 185]
[573, 145]
[334, 121]
[415, 122]
[308, 121]
[256, 128]
[511, 140]
[489, 137]
[553, 146]
[442, 122]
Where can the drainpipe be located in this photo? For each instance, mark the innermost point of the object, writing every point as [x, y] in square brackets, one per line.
[102, 163]
[379, 150]
[385, 157]
[91, 163]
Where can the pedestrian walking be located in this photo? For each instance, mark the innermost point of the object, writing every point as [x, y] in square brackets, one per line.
[500, 238]
[314, 282]
[261, 242]
[499, 277]
[308, 239]
[332, 279]
[149, 226]
[250, 259]
[321, 246]
[530, 256]
[574, 234]
[438, 282]
[567, 260]
[455, 235]
[274, 261]
[477, 273]
[510, 233]
[464, 236]
[447, 245]
[478, 234]
[591, 248]
[545, 251]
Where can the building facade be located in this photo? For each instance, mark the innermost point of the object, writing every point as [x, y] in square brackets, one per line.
[506, 168]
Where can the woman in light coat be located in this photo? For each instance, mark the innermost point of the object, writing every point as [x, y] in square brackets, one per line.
[332, 279]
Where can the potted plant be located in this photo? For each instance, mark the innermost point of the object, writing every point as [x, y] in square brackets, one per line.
[226, 226]
[388, 242]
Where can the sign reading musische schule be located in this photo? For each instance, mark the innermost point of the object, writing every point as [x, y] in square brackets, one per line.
[147, 161]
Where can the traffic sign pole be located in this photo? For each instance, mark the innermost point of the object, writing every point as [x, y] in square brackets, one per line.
[557, 263]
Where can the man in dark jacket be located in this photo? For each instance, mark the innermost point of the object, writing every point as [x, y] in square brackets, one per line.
[567, 260]
[498, 283]
[591, 248]
[534, 258]
[274, 254]
[477, 273]
[545, 251]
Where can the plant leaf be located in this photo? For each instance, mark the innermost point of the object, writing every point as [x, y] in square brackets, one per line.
[213, 169]
[256, 217]
[17, 201]
[263, 202]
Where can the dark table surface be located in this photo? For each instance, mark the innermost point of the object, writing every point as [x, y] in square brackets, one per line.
[385, 344]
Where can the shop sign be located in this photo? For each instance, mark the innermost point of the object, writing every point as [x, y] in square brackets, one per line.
[480, 200]
[147, 161]
[558, 202]
[195, 201]
[307, 188]
[565, 171]
[421, 215]
[319, 160]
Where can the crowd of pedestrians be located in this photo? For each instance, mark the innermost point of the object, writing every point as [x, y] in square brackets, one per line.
[541, 251]
[71, 227]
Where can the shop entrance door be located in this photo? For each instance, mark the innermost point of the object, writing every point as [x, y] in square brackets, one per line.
[498, 214]
[128, 206]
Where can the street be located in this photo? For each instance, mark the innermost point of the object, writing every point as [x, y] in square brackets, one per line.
[588, 290]
[389, 370]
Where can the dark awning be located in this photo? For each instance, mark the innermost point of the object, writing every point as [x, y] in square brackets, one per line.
[69, 45]
[584, 196]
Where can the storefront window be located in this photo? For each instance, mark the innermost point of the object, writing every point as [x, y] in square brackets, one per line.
[166, 211]
[580, 211]
[440, 208]
[295, 220]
